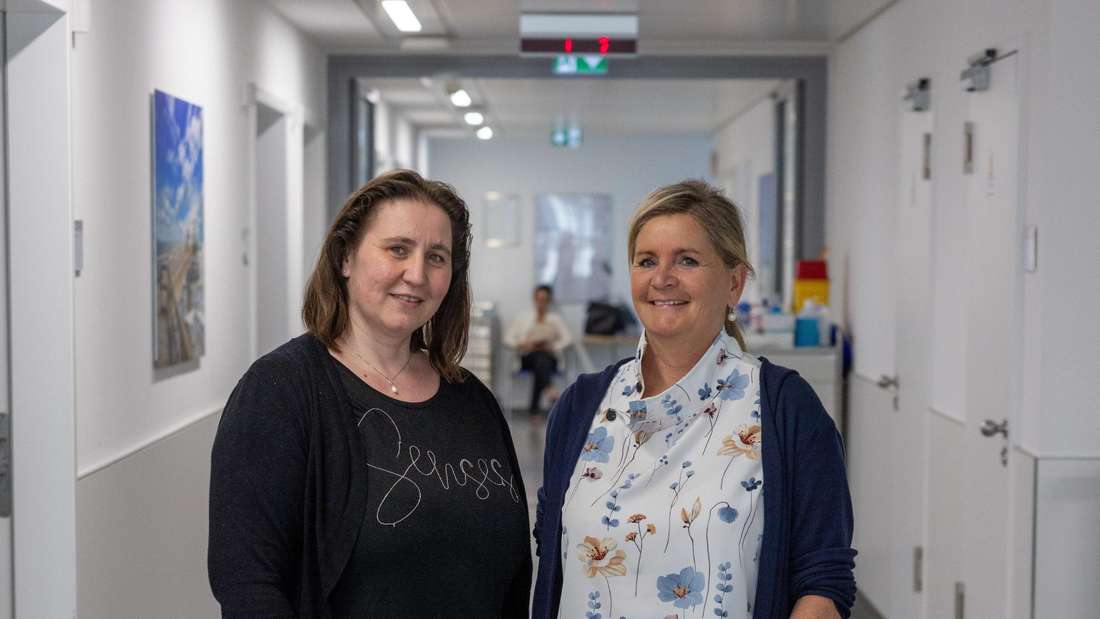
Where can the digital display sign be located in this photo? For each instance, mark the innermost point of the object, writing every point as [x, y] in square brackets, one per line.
[574, 45]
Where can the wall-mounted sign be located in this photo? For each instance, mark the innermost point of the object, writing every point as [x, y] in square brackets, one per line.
[567, 137]
[578, 33]
[576, 64]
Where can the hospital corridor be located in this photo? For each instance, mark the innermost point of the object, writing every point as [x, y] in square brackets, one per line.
[550, 308]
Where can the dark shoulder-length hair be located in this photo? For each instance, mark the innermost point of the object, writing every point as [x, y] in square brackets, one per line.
[325, 310]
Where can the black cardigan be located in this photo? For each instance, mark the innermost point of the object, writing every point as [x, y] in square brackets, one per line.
[287, 489]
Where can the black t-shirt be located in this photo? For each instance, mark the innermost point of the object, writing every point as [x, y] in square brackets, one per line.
[445, 532]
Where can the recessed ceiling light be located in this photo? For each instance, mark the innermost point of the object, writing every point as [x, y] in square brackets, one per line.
[485, 133]
[401, 15]
[461, 98]
[474, 118]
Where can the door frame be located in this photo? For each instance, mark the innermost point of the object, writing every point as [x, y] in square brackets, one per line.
[41, 309]
[296, 117]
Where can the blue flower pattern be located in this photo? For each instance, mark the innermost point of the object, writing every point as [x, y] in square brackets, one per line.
[679, 472]
[612, 506]
[722, 586]
[684, 590]
[594, 606]
[598, 446]
[733, 387]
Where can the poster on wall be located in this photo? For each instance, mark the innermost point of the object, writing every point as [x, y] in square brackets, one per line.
[178, 304]
[572, 248]
[502, 217]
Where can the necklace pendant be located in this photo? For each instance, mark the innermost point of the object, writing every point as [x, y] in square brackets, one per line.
[393, 388]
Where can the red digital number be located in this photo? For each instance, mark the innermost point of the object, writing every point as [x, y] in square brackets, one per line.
[569, 46]
[605, 44]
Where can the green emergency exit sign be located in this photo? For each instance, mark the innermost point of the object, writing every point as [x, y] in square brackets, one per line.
[567, 137]
[580, 64]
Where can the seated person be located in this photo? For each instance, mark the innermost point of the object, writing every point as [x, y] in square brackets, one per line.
[540, 336]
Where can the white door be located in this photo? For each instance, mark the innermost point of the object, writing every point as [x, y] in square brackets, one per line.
[6, 601]
[969, 486]
[908, 427]
[994, 316]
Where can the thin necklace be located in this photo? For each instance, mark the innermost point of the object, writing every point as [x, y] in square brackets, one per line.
[389, 380]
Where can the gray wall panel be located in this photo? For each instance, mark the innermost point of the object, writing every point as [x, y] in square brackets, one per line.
[141, 531]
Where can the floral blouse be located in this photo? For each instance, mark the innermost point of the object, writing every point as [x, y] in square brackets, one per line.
[664, 513]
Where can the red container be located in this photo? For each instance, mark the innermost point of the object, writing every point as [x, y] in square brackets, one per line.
[812, 269]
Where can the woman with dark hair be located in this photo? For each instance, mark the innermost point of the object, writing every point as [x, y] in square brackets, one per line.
[539, 336]
[357, 469]
[693, 479]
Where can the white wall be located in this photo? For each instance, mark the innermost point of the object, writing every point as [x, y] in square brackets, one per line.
[208, 52]
[1066, 208]
[745, 149]
[625, 168]
[1059, 155]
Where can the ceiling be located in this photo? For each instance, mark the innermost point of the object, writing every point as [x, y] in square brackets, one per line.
[602, 106]
[531, 107]
[665, 26]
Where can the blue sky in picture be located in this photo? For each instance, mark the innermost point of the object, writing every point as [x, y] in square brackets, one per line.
[178, 181]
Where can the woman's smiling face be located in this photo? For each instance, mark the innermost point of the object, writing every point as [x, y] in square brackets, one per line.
[400, 272]
[681, 288]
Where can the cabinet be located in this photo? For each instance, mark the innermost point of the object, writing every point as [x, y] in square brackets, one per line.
[821, 367]
[483, 340]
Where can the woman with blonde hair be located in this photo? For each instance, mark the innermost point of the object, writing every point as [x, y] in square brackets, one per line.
[693, 478]
[358, 470]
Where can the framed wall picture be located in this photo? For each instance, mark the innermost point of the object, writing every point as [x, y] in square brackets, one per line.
[178, 304]
[572, 248]
[502, 219]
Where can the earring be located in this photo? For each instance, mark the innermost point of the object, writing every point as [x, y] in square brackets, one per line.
[732, 315]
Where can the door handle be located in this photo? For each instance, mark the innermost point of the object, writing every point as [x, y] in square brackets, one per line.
[991, 428]
[890, 382]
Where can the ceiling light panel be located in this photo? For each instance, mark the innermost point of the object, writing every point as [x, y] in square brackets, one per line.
[461, 98]
[378, 13]
[401, 15]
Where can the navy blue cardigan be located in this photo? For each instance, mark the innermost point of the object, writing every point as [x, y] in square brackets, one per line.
[807, 510]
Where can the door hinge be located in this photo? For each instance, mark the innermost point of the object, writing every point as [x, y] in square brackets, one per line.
[918, 569]
[5, 465]
[976, 76]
